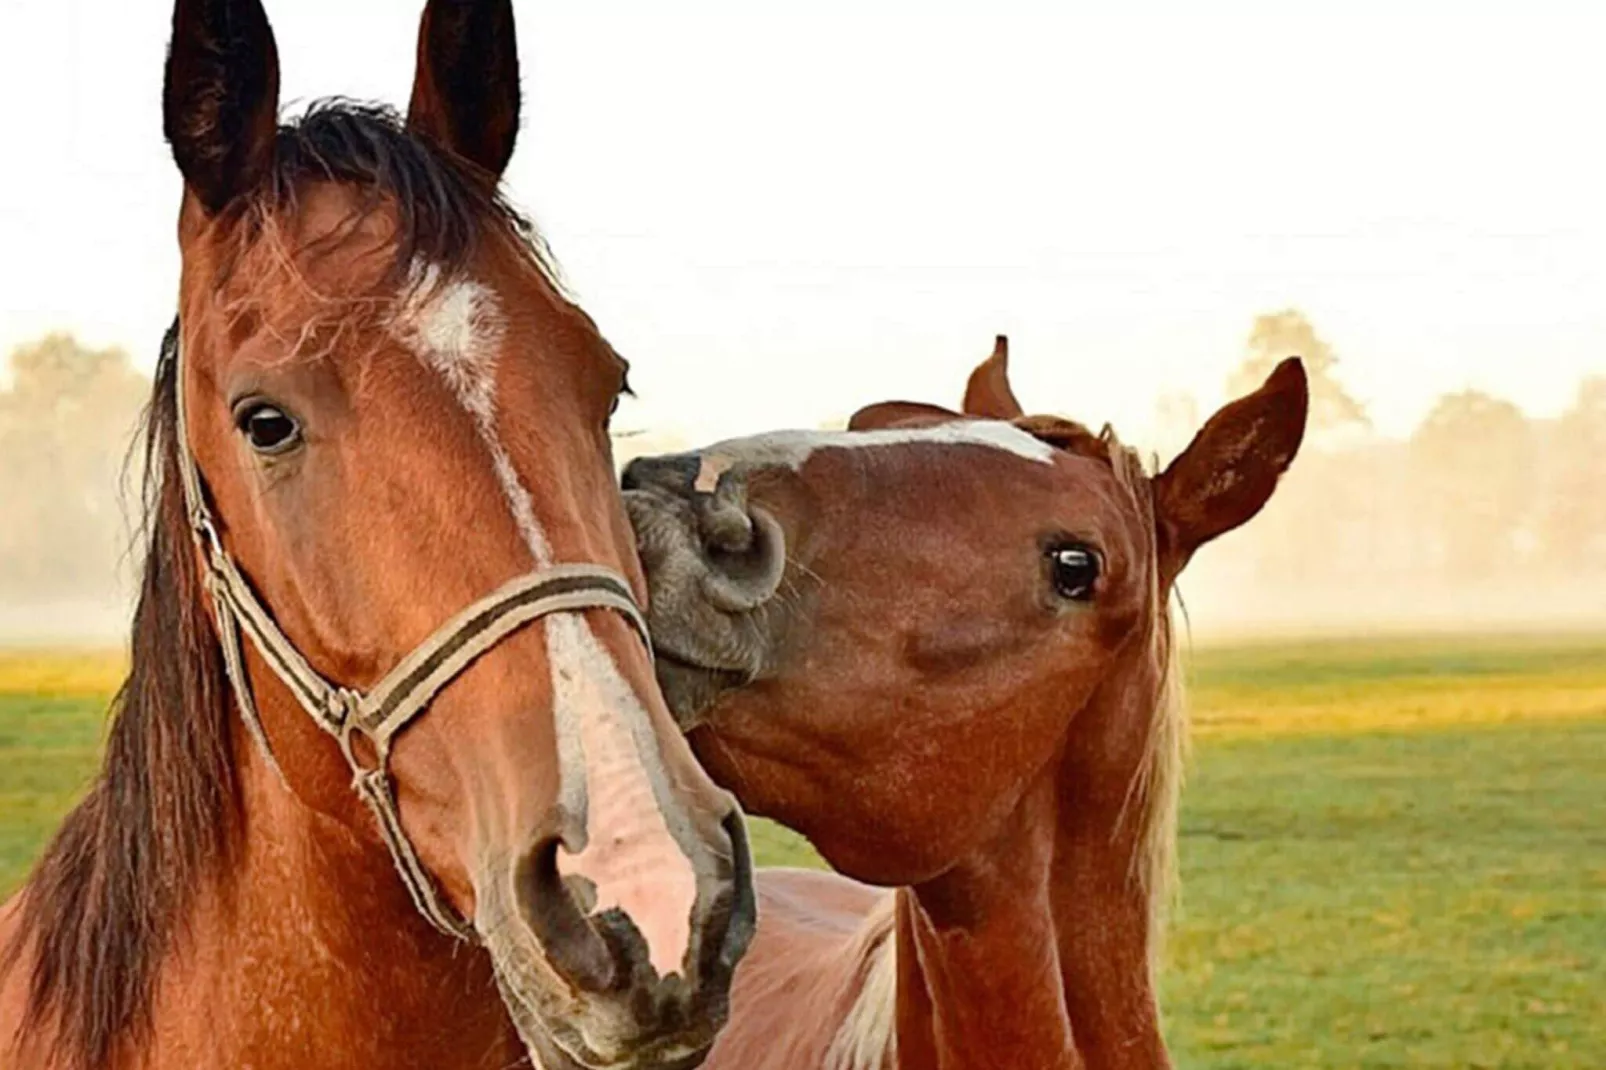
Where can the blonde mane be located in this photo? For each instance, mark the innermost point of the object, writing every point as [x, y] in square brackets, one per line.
[1156, 789]
[868, 1037]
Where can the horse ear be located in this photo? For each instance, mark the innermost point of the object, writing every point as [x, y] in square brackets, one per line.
[220, 103]
[466, 88]
[886, 415]
[988, 393]
[1231, 467]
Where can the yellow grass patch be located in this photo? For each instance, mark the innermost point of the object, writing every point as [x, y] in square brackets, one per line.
[1230, 713]
[71, 673]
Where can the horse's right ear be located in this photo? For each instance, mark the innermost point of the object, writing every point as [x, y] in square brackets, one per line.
[988, 393]
[1227, 473]
[220, 104]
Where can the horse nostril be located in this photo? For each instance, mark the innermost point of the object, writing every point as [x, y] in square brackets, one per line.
[743, 913]
[571, 943]
[725, 526]
[739, 580]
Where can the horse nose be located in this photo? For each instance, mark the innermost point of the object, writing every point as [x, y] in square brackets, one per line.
[738, 549]
[609, 951]
[743, 546]
[675, 473]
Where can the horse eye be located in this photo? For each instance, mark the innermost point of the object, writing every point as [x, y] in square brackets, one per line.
[269, 430]
[624, 391]
[1076, 571]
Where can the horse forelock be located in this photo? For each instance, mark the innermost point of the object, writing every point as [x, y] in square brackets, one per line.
[425, 217]
[441, 214]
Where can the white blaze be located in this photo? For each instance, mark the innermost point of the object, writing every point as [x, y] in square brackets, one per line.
[630, 856]
[457, 329]
[603, 731]
[792, 449]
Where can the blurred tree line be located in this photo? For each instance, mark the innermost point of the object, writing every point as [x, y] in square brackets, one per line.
[67, 415]
[1478, 496]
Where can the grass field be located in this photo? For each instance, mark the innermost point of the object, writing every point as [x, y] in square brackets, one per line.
[1394, 852]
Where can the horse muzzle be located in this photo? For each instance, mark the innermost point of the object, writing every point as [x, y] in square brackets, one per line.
[581, 978]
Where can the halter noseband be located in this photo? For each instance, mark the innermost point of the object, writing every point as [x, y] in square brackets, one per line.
[379, 714]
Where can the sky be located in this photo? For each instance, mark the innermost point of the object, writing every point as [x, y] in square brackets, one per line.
[781, 213]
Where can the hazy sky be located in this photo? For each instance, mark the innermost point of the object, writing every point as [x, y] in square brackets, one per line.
[781, 216]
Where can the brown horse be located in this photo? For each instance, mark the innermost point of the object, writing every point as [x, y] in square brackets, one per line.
[375, 410]
[937, 644]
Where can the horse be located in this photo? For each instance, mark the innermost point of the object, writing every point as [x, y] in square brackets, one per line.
[938, 645]
[383, 527]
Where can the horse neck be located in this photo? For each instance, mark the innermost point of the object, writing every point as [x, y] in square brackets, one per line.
[978, 977]
[312, 954]
[1100, 890]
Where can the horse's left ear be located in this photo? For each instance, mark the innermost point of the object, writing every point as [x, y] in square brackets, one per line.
[466, 88]
[1231, 467]
[988, 393]
[887, 415]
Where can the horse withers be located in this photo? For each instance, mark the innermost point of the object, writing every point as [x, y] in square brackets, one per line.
[938, 645]
[383, 526]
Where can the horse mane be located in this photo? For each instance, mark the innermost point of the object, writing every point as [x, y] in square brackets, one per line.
[1154, 795]
[868, 1036]
[1156, 789]
[108, 898]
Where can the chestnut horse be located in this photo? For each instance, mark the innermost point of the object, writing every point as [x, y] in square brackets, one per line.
[377, 413]
[937, 644]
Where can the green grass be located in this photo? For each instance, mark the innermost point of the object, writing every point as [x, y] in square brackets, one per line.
[48, 747]
[1394, 851]
[1435, 898]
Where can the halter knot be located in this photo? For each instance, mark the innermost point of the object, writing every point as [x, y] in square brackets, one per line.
[340, 707]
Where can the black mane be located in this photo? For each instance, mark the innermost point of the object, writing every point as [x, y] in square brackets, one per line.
[101, 906]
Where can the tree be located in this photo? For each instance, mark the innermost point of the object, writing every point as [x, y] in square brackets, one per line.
[1474, 458]
[1306, 533]
[1279, 335]
[65, 425]
[1573, 523]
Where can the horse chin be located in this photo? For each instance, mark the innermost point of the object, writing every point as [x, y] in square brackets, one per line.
[692, 690]
[554, 1044]
[563, 1031]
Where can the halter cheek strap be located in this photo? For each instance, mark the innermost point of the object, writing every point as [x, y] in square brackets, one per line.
[379, 714]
